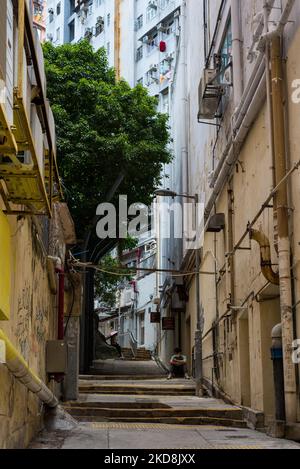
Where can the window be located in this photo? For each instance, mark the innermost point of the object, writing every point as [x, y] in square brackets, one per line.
[108, 19]
[58, 8]
[71, 31]
[165, 103]
[58, 34]
[37, 9]
[91, 8]
[139, 53]
[152, 43]
[164, 3]
[51, 15]
[224, 57]
[99, 26]
[139, 22]
[108, 48]
[72, 6]
[152, 76]
[151, 12]
[169, 28]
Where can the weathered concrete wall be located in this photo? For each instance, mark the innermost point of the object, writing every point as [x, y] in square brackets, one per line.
[33, 321]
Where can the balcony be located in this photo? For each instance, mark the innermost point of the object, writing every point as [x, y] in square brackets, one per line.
[28, 169]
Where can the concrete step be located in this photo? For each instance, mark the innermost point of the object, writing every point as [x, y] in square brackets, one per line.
[126, 367]
[150, 413]
[223, 422]
[132, 387]
[136, 390]
[97, 377]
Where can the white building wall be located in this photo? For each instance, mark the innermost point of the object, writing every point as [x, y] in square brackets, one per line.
[59, 27]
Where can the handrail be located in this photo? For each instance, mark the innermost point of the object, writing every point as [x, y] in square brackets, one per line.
[133, 342]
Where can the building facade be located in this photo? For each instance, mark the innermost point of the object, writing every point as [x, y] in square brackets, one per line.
[39, 18]
[242, 110]
[35, 231]
[71, 21]
[143, 42]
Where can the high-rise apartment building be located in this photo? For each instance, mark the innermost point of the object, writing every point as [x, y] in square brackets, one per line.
[69, 21]
[143, 41]
[141, 37]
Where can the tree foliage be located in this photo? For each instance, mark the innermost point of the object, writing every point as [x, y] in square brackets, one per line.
[104, 129]
[107, 282]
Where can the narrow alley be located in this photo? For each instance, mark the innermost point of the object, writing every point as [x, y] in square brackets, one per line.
[149, 225]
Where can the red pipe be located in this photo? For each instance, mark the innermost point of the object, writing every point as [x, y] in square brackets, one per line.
[61, 297]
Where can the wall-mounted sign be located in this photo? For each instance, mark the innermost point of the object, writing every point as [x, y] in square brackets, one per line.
[155, 318]
[168, 324]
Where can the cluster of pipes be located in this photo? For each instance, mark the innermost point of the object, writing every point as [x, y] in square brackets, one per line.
[266, 80]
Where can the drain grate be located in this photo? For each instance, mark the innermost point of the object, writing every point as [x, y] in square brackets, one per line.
[227, 430]
[147, 426]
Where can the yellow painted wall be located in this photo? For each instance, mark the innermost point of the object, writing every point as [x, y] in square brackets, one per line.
[5, 267]
[33, 321]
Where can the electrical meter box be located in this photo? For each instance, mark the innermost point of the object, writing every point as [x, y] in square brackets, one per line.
[56, 356]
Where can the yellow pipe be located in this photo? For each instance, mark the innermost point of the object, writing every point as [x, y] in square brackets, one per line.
[265, 256]
[20, 369]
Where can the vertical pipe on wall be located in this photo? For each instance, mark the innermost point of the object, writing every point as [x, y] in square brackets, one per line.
[117, 38]
[284, 247]
[236, 51]
[61, 296]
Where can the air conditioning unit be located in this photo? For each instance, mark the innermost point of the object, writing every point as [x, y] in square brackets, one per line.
[88, 32]
[100, 20]
[51, 11]
[152, 4]
[153, 68]
[161, 27]
[145, 39]
[150, 247]
[169, 57]
[209, 95]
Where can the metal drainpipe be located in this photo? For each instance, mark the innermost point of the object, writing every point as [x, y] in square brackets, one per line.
[265, 256]
[284, 248]
[61, 296]
[20, 369]
[277, 358]
[236, 51]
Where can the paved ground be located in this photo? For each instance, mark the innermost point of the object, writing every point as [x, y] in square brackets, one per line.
[157, 436]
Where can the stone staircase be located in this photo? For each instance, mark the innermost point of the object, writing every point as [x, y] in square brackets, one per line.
[136, 391]
[155, 411]
[142, 354]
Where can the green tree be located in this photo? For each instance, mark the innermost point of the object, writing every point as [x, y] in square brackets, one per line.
[104, 129]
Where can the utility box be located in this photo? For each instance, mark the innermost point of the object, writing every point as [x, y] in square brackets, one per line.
[56, 356]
